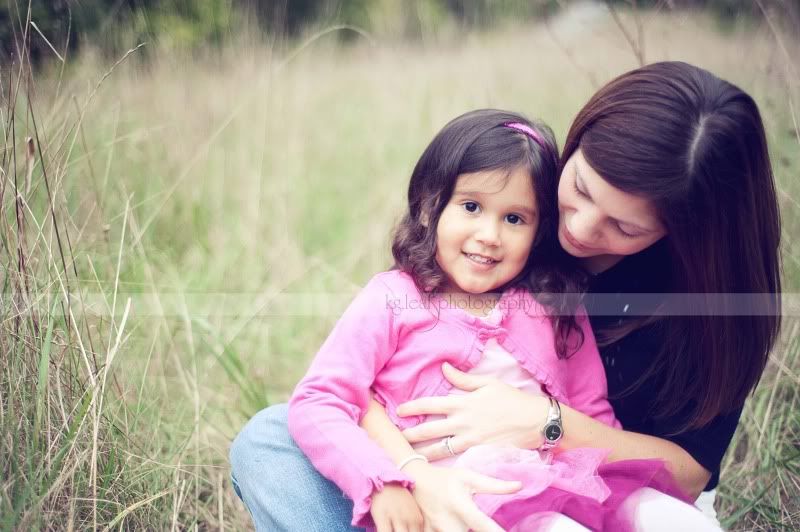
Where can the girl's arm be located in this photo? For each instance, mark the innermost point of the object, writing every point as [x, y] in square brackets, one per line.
[327, 404]
[393, 507]
[494, 412]
[381, 429]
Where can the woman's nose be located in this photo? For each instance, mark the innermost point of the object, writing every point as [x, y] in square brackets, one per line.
[584, 224]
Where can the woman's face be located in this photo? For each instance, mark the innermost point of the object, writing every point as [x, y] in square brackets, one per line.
[600, 223]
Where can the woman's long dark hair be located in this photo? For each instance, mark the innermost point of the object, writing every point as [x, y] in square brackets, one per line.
[695, 146]
[480, 141]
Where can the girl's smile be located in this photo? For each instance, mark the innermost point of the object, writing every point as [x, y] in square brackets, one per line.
[481, 260]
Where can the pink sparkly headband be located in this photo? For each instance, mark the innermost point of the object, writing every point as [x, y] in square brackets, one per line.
[528, 130]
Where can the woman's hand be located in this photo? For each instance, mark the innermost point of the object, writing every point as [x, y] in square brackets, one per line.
[492, 412]
[444, 495]
[394, 510]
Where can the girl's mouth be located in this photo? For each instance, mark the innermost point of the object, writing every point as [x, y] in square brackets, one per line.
[480, 259]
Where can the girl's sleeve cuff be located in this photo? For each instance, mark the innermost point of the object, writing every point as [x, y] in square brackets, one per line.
[363, 502]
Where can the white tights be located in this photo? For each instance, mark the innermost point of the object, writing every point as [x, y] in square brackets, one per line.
[648, 510]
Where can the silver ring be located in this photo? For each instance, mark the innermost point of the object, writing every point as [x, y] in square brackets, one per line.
[448, 445]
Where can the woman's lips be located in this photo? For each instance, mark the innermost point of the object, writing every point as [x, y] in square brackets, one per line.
[575, 243]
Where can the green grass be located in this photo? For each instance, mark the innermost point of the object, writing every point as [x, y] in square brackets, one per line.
[246, 176]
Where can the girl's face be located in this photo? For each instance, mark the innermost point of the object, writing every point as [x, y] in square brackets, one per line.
[486, 230]
[600, 223]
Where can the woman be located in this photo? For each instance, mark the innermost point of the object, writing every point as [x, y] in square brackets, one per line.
[667, 199]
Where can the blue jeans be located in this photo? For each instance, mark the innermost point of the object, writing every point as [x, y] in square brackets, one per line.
[279, 485]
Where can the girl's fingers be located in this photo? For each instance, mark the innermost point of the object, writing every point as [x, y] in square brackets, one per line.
[398, 524]
[408, 527]
[464, 381]
[427, 405]
[382, 524]
[429, 430]
[483, 484]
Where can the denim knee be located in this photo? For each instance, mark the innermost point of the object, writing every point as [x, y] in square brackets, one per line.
[278, 485]
[262, 434]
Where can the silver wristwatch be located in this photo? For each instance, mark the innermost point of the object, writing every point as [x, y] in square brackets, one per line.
[553, 430]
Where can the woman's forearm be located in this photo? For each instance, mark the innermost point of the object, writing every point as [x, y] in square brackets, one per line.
[473, 418]
[581, 430]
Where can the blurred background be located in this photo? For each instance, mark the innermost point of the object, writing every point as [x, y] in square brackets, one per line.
[193, 190]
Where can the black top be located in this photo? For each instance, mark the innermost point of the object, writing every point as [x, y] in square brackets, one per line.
[615, 294]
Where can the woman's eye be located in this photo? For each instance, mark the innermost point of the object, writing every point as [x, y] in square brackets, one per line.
[577, 190]
[471, 207]
[513, 219]
[624, 233]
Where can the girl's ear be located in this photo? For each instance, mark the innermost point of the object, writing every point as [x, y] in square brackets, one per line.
[427, 208]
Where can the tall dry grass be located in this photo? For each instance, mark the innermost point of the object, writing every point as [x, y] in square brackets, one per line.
[166, 226]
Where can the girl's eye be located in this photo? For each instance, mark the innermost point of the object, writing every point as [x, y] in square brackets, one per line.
[513, 219]
[472, 207]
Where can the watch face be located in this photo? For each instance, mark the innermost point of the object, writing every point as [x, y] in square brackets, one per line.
[552, 432]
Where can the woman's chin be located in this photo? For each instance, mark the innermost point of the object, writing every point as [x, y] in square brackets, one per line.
[599, 263]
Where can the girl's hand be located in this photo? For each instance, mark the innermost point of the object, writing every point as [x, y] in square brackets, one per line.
[444, 496]
[394, 510]
[493, 412]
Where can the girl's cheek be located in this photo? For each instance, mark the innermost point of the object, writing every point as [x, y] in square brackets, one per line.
[525, 242]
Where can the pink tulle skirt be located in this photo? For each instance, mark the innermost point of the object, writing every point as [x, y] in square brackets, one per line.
[575, 483]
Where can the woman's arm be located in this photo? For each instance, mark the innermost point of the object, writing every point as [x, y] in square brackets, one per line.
[581, 430]
[590, 419]
[494, 412]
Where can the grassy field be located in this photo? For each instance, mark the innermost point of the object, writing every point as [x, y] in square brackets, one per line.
[208, 215]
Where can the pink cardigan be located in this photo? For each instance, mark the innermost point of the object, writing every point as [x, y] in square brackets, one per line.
[390, 342]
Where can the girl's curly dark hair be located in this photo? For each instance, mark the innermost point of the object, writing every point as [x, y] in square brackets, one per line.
[481, 141]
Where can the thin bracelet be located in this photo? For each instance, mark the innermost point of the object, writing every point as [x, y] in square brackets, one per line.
[411, 459]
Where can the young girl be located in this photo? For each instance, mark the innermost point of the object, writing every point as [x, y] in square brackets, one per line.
[481, 283]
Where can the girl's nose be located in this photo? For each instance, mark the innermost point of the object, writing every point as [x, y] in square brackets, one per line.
[488, 233]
